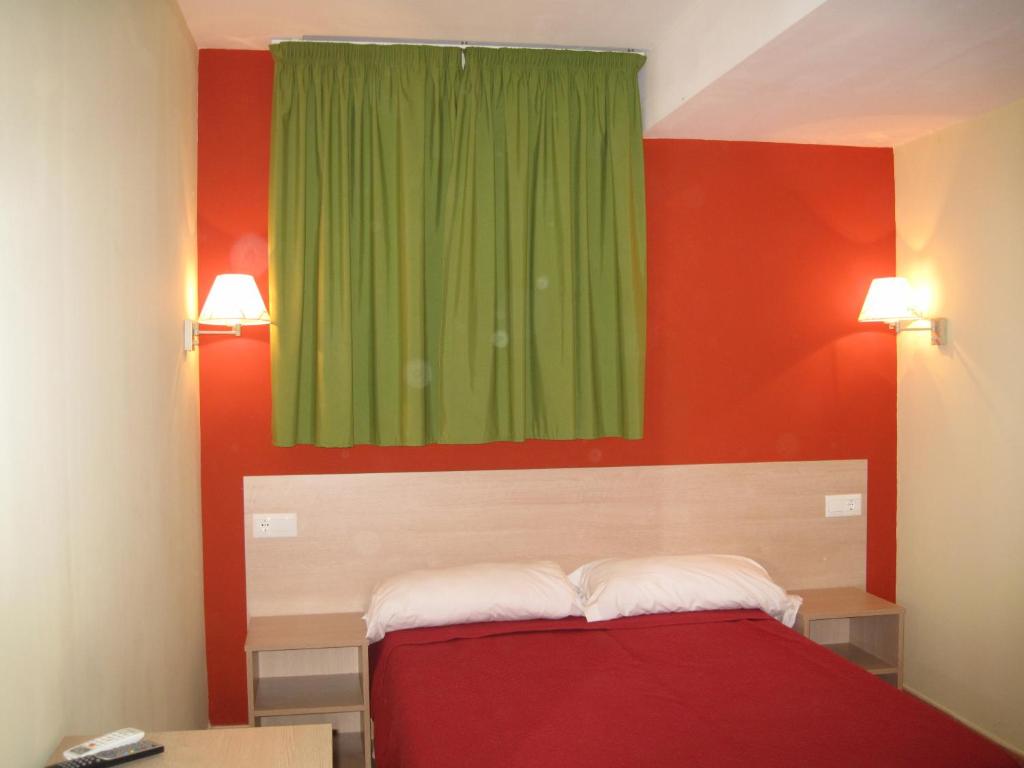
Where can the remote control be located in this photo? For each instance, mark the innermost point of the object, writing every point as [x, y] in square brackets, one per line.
[111, 740]
[110, 757]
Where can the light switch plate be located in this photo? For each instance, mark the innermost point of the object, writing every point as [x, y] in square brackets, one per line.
[843, 505]
[278, 526]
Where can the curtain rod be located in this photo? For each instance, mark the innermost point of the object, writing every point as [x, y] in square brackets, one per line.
[448, 43]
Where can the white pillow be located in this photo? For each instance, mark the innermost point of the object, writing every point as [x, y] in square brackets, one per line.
[620, 587]
[482, 592]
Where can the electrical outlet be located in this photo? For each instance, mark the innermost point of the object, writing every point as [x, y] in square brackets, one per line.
[283, 525]
[843, 505]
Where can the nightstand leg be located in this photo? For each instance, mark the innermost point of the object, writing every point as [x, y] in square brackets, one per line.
[364, 663]
[252, 671]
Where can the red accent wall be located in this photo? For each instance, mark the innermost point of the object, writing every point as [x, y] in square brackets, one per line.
[759, 257]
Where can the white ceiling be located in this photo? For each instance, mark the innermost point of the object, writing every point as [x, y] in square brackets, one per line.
[860, 72]
[865, 72]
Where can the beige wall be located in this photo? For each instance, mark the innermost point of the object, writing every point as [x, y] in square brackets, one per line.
[960, 567]
[100, 552]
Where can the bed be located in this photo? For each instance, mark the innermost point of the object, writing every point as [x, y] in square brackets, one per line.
[707, 688]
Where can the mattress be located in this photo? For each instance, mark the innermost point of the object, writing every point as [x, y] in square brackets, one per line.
[711, 688]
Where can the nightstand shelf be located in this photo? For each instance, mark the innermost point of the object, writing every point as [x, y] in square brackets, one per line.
[862, 628]
[348, 750]
[299, 670]
[862, 658]
[308, 694]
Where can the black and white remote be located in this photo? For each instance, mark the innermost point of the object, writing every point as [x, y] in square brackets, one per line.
[115, 756]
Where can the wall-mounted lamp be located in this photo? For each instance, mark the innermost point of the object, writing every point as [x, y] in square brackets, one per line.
[891, 300]
[233, 301]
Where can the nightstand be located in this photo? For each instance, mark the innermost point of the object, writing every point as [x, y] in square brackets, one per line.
[300, 670]
[860, 627]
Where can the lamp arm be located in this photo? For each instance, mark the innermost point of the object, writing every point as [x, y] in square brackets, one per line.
[191, 334]
[236, 330]
[936, 325]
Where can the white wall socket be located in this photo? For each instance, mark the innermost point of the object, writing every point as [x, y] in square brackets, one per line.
[843, 505]
[277, 526]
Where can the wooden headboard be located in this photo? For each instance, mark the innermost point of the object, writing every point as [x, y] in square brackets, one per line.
[357, 529]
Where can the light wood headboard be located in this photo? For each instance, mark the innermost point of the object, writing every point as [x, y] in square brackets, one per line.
[357, 529]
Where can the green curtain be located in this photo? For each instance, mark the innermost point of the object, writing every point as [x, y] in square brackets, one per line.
[457, 251]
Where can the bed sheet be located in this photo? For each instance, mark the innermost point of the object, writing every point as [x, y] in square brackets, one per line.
[712, 688]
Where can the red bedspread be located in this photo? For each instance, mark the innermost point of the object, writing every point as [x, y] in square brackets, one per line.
[715, 688]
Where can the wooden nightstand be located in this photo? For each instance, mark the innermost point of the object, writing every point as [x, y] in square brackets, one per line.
[860, 627]
[299, 669]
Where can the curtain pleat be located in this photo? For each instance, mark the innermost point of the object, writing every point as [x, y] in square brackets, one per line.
[457, 254]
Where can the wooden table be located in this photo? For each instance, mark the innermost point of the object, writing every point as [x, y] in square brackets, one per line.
[290, 746]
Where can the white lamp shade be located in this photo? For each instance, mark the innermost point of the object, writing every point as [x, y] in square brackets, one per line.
[234, 300]
[889, 300]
